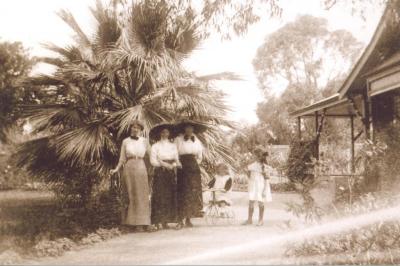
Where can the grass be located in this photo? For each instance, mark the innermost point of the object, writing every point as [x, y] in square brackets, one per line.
[28, 217]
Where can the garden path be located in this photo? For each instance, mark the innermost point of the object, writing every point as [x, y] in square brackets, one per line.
[202, 244]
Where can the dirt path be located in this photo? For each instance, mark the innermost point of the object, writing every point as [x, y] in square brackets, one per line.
[202, 244]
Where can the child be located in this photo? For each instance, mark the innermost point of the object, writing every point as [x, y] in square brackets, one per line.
[222, 184]
[258, 185]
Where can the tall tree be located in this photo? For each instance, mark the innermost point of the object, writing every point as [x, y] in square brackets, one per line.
[130, 68]
[15, 64]
[308, 60]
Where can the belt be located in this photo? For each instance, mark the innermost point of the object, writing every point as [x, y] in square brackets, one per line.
[134, 157]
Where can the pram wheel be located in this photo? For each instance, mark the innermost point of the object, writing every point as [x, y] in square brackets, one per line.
[215, 214]
[212, 214]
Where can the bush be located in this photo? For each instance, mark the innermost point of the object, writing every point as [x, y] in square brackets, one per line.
[283, 187]
[372, 244]
[53, 248]
[300, 160]
[30, 225]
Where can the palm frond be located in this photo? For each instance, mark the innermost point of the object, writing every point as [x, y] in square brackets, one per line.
[123, 118]
[108, 30]
[54, 117]
[40, 159]
[68, 53]
[70, 20]
[51, 61]
[85, 145]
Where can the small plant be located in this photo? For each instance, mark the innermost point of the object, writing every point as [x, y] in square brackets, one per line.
[53, 248]
[307, 210]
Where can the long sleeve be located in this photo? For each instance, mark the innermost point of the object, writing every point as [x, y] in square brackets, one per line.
[154, 156]
[199, 155]
[122, 156]
[176, 153]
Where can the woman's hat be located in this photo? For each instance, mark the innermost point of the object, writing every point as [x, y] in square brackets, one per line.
[137, 122]
[155, 132]
[198, 127]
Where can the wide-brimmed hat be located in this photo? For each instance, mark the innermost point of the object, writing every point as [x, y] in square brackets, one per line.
[136, 122]
[198, 127]
[155, 132]
[259, 150]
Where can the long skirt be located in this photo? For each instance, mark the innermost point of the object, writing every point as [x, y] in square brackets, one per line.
[137, 189]
[190, 198]
[163, 199]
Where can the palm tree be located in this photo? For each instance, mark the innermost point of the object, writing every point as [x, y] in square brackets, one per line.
[130, 68]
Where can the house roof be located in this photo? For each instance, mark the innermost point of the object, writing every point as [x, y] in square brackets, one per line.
[331, 106]
[381, 52]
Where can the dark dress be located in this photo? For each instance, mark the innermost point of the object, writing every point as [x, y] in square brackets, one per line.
[163, 200]
[190, 198]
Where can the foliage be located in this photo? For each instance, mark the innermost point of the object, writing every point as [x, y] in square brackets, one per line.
[371, 244]
[131, 68]
[11, 176]
[34, 224]
[307, 210]
[15, 65]
[283, 187]
[53, 248]
[299, 163]
[300, 51]
[298, 56]
[385, 157]
[226, 18]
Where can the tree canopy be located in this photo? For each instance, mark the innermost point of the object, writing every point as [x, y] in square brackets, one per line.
[15, 65]
[129, 68]
[306, 59]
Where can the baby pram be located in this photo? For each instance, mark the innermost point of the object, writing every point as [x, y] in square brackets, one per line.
[218, 211]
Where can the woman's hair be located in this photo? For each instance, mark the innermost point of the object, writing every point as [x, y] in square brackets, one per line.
[136, 123]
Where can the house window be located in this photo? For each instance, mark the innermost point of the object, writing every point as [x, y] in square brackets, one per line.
[384, 109]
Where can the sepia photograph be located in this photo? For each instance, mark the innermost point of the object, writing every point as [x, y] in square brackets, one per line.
[199, 132]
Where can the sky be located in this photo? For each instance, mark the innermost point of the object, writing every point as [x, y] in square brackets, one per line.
[34, 22]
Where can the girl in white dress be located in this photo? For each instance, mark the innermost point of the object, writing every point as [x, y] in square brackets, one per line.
[258, 186]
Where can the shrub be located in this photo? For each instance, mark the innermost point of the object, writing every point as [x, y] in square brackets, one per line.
[371, 244]
[299, 160]
[53, 248]
[283, 187]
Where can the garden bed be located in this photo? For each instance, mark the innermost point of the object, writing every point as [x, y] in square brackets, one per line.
[33, 225]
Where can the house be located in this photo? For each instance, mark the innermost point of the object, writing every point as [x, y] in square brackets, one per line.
[371, 92]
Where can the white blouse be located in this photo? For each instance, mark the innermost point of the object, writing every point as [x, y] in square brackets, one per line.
[256, 170]
[190, 147]
[131, 148]
[163, 150]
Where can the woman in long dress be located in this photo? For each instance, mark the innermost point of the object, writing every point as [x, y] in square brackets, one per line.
[135, 179]
[190, 149]
[165, 159]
